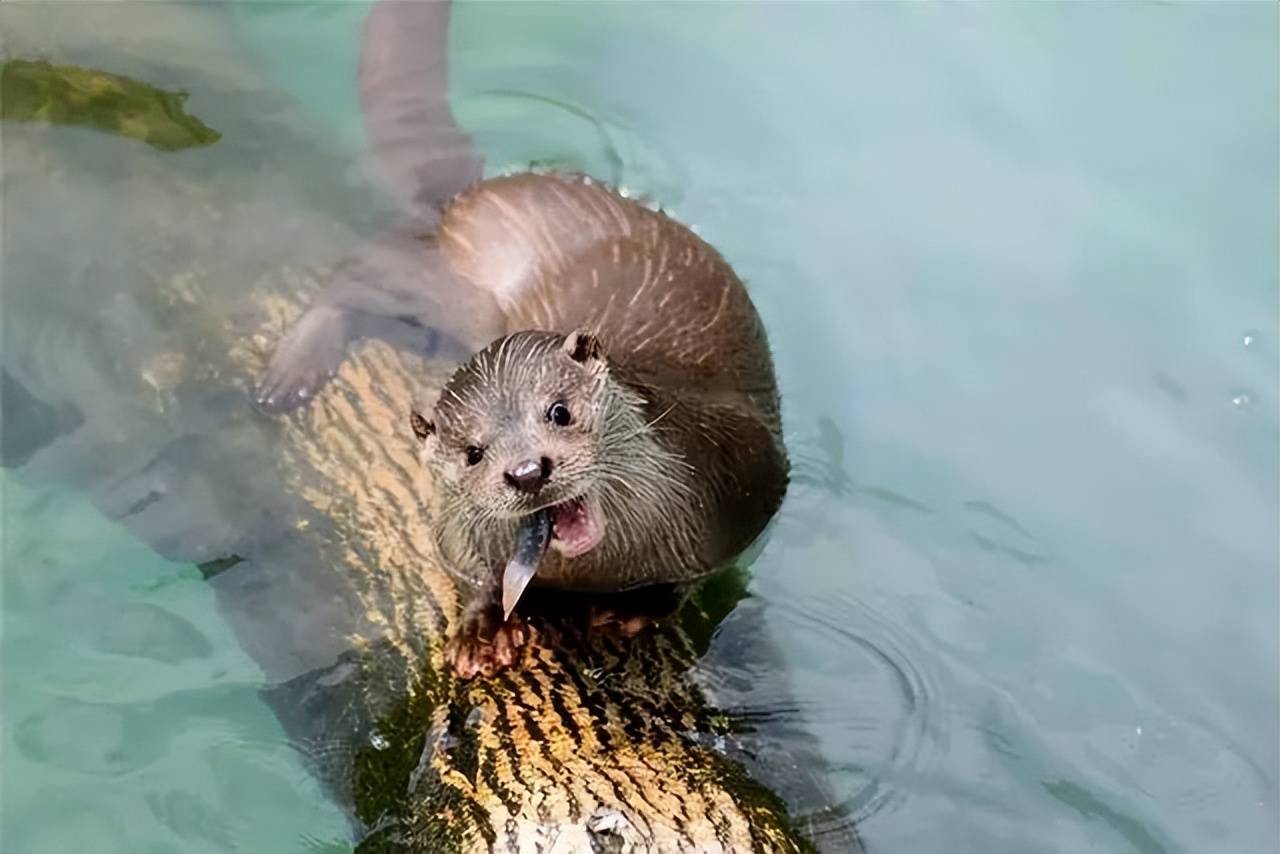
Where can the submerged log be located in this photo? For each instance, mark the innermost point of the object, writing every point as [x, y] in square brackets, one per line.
[313, 531]
[594, 742]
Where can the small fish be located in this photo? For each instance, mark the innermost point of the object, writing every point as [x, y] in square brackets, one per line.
[531, 545]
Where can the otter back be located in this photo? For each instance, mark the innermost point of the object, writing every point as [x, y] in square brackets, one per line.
[560, 253]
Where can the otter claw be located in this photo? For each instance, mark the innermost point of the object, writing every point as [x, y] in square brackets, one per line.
[485, 646]
[306, 358]
[284, 394]
[626, 625]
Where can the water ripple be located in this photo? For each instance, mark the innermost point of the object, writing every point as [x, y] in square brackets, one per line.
[621, 155]
[895, 724]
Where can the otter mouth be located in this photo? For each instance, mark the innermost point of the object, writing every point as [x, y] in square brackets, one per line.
[574, 527]
[577, 526]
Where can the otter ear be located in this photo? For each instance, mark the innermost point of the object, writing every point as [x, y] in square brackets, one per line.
[422, 428]
[583, 347]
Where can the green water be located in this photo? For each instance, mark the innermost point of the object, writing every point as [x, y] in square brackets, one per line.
[1018, 263]
[131, 715]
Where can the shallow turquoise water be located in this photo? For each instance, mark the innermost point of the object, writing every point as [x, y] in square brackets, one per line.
[1018, 264]
[131, 715]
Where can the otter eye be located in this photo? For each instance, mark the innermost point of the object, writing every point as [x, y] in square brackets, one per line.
[474, 455]
[559, 415]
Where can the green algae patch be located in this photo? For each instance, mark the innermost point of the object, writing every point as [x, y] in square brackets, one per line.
[38, 91]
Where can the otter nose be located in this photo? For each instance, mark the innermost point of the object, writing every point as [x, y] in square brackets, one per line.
[529, 476]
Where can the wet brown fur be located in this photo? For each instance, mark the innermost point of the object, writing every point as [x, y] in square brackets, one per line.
[676, 431]
[570, 291]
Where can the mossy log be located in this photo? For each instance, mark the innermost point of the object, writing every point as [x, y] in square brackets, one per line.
[594, 741]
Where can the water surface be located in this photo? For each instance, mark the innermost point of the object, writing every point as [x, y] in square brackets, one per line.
[1018, 266]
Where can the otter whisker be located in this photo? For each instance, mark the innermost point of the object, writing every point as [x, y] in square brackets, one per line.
[644, 428]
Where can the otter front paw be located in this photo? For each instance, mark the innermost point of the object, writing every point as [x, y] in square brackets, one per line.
[610, 619]
[484, 644]
[305, 359]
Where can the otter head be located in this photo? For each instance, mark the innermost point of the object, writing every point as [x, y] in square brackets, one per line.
[517, 434]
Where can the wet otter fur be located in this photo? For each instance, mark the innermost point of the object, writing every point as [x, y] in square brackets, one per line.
[618, 424]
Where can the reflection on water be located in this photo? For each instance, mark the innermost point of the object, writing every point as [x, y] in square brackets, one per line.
[1024, 588]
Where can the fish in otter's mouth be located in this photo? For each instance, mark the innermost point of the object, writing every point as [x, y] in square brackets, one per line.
[575, 527]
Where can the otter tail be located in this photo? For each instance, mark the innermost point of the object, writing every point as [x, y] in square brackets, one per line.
[420, 153]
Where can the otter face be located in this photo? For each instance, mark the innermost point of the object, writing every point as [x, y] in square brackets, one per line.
[518, 429]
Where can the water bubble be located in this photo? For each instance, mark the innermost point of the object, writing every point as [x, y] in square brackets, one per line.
[1250, 337]
[1241, 399]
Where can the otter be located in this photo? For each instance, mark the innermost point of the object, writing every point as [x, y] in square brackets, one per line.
[618, 425]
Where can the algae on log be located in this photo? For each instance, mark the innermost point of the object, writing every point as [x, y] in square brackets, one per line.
[313, 534]
[38, 91]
